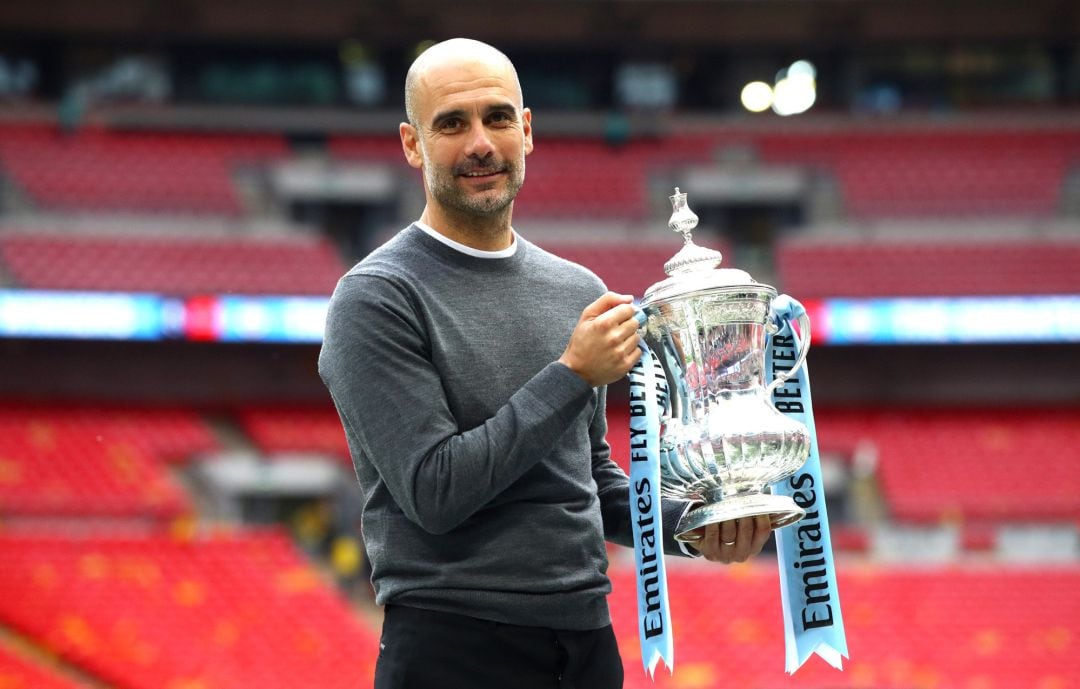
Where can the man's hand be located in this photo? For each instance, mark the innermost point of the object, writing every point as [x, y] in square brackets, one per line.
[733, 541]
[604, 344]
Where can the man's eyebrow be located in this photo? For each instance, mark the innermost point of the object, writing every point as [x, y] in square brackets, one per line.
[505, 106]
[447, 114]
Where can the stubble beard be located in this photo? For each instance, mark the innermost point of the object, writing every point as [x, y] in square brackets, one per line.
[483, 208]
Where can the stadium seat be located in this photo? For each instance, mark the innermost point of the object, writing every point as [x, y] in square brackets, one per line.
[814, 268]
[237, 609]
[101, 170]
[173, 265]
[971, 626]
[936, 172]
[967, 464]
[103, 463]
[282, 429]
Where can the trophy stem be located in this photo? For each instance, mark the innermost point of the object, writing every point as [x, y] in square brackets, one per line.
[781, 509]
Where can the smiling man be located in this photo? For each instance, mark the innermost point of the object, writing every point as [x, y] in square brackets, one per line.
[469, 132]
[469, 368]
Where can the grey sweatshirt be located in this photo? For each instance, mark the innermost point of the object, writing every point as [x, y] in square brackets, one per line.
[488, 486]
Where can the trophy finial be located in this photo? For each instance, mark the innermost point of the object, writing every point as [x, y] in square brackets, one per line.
[682, 219]
[691, 257]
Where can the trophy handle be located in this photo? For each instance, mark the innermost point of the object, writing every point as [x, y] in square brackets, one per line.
[804, 347]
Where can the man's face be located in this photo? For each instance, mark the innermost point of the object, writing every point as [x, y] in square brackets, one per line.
[471, 137]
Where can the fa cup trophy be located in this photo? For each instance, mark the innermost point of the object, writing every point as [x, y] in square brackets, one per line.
[722, 442]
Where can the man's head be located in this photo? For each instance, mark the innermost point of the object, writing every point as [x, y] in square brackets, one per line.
[467, 129]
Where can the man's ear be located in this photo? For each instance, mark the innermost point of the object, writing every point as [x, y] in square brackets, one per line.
[410, 144]
[526, 129]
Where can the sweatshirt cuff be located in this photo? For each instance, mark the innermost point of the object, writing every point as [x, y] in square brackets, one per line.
[562, 390]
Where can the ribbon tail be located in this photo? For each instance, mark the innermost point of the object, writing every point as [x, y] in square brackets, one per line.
[809, 593]
[654, 617]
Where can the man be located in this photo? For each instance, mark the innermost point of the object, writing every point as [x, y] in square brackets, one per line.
[469, 370]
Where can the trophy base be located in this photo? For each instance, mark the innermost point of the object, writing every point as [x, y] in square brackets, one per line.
[781, 509]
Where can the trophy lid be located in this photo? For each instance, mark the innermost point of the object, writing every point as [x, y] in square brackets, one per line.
[695, 268]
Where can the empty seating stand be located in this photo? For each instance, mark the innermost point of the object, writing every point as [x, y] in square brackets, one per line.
[101, 170]
[174, 265]
[970, 626]
[95, 463]
[281, 429]
[936, 172]
[967, 464]
[229, 611]
[813, 268]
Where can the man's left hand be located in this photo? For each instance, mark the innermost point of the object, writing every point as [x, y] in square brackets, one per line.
[733, 541]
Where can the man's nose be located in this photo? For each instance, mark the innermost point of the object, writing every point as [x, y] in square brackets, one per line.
[479, 144]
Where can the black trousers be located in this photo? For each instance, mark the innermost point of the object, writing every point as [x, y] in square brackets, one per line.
[422, 649]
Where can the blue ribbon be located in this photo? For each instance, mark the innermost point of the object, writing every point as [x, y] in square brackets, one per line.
[810, 597]
[654, 616]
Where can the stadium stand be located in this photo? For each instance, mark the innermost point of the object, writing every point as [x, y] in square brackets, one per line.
[95, 462]
[276, 430]
[964, 626]
[969, 464]
[122, 566]
[935, 172]
[295, 264]
[229, 610]
[99, 170]
[847, 267]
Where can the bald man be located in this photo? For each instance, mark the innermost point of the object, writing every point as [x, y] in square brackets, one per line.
[469, 368]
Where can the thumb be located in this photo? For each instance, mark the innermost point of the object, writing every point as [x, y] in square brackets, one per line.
[607, 300]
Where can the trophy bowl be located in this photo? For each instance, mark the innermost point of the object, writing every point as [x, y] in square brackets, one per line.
[722, 441]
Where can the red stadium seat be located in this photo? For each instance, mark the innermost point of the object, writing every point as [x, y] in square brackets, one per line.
[172, 265]
[819, 268]
[101, 170]
[967, 464]
[968, 626]
[233, 610]
[275, 430]
[936, 172]
[78, 462]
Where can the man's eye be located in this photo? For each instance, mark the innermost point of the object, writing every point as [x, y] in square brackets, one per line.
[450, 124]
[500, 118]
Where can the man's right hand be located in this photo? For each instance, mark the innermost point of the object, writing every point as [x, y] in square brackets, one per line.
[604, 344]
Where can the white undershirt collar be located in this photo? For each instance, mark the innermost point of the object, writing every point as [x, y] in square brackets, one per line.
[478, 253]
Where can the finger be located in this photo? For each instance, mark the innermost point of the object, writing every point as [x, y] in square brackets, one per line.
[744, 539]
[699, 541]
[710, 545]
[762, 531]
[606, 301]
[626, 345]
[729, 534]
[619, 317]
[695, 535]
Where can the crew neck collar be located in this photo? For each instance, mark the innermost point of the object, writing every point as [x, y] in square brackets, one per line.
[468, 250]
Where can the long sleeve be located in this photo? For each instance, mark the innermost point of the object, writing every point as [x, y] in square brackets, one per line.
[377, 363]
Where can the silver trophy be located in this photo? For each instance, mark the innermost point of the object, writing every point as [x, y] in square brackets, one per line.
[722, 442]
